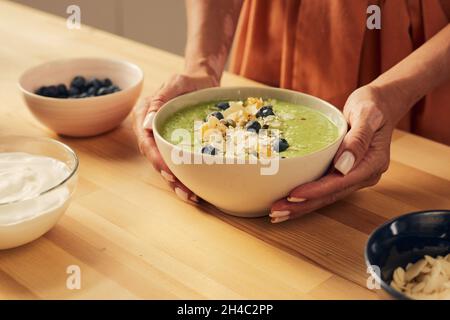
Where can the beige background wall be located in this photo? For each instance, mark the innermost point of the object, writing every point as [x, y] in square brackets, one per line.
[159, 23]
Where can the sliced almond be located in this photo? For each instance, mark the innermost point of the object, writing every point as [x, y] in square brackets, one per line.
[430, 260]
[426, 269]
[433, 282]
[399, 276]
[251, 109]
[232, 116]
[418, 287]
[446, 267]
[258, 102]
[234, 107]
[446, 284]
[203, 128]
[415, 269]
[212, 122]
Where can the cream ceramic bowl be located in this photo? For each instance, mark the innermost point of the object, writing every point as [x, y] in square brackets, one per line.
[241, 189]
[86, 116]
[37, 215]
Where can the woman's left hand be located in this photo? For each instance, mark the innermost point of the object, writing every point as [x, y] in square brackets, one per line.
[361, 159]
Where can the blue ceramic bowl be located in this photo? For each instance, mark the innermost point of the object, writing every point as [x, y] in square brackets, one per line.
[407, 239]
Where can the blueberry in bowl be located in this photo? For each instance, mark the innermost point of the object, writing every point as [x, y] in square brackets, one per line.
[81, 97]
[79, 88]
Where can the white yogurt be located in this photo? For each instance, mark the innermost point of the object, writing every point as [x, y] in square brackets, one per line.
[25, 214]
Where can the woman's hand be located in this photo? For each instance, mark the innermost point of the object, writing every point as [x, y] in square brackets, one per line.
[361, 159]
[144, 113]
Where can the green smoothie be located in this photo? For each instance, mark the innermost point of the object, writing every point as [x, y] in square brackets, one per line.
[298, 130]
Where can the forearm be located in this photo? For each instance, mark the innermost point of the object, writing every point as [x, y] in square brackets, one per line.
[416, 75]
[211, 25]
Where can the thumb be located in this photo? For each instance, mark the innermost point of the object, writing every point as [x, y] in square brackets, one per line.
[168, 91]
[364, 123]
[353, 148]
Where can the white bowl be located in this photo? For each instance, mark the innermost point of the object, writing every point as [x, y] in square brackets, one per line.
[241, 189]
[85, 116]
[26, 220]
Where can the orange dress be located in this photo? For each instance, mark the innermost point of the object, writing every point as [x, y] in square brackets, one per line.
[323, 47]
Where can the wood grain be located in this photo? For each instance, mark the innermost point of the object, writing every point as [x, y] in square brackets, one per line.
[133, 238]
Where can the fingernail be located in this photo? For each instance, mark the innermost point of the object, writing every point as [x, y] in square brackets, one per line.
[194, 198]
[167, 176]
[148, 121]
[279, 214]
[181, 194]
[294, 199]
[345, 162]
[278, 220]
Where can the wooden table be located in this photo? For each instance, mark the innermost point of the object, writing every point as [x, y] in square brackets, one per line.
[132, 237]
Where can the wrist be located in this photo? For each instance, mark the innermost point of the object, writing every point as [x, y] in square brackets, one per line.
[392, 100]
[202, 67]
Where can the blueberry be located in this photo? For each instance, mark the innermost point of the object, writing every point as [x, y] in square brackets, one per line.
[209, 150]
[216, 114]
[73, 92]
[107, 82]
[83, 95]
[223, 105]
[253, 126]
[51, 91]
[62, 91]
[43, 91]
[78, 82]
[264, 112]
[112, 89]
[109, 90]
[40, 90]
[280, 145]
[116, 89]
[91, 91]
[94, 83]
[102, 91]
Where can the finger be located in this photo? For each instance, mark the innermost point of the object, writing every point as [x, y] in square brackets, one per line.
[329, 184]
[138, 115]
[364, 120]
[354, 147]
[139, 112]
[149, 149]
[283, 209]
[152, 153]
[184, 193]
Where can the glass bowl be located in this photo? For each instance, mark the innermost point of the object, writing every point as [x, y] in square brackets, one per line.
[23, 221]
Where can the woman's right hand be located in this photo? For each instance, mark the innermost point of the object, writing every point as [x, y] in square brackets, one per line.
[144, 113]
